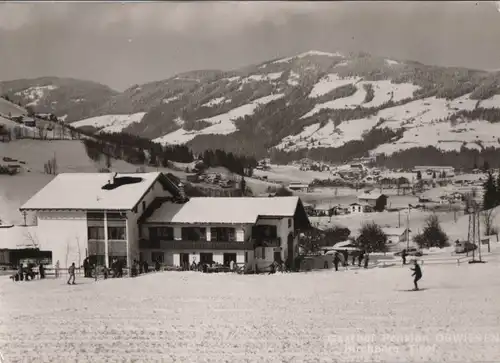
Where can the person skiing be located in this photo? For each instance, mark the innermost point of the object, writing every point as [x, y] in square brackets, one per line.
[417, 272]
[403, 256]
[71, 271]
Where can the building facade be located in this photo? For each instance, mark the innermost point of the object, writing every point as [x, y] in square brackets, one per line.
[147, 217]
[78, 216]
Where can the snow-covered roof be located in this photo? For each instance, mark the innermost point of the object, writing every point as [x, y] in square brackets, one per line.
[208, 210]
[369, 196]
[394, 231]
[84, 191]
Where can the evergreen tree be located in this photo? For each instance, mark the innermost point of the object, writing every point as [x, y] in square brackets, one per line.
[433, 175]
[490, 193]
[432, 235]
[243, 186]
[372, 238]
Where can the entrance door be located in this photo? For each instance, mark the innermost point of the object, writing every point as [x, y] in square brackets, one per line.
[228, 257]
[207, 258]
[290, 250]
[277, 256]
[185, 260]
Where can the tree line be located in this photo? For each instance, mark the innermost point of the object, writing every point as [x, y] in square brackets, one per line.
[138, 150]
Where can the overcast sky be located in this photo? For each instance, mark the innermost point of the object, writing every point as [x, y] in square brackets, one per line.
[121, 44]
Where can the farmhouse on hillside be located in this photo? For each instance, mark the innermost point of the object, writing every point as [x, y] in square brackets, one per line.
[395, 235]
[376, 200]
[355, 208]
[145, 216]
[296, 186]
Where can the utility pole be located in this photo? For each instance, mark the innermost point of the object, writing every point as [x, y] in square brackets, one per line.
[399, 219]
[408, 228]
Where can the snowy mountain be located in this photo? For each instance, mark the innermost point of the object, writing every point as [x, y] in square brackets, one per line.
[311, 101]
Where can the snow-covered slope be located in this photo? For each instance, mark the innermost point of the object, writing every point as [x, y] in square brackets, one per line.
[8, 108]
[325, 100]
[222, 124]
[110, 123]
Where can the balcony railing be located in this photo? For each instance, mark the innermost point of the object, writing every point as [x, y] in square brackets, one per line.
[266, 242]
[195, 245]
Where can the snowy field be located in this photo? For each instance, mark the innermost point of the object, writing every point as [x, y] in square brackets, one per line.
[325, 316]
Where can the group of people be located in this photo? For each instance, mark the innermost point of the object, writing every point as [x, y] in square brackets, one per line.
[362, 257]
[140, 267]
[27, 273]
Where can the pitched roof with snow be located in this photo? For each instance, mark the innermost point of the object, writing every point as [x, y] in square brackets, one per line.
[370, 196]
[84, 191]
[208, 210]
[394, 231]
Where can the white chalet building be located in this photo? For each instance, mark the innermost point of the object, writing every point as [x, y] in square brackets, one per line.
[145, 216]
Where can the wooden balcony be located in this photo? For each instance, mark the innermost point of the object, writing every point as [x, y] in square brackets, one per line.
[195, 245]
[266, 242]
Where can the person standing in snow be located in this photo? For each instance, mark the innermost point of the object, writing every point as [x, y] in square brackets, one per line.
[336, 261]
[367, 259]
[403, 256]
[71, 271]
[361, 257]
[417, 272]
[57, 269]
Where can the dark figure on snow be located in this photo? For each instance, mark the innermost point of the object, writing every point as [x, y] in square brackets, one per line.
[20, 272]
[71, 272]
[336, 261]
[361, 256]
[146, 267]
[86, 268]
[346, 257]
[417, 272]
[41, 270]
[353, 258]
[403, 256]
[133, 270]
[157, 265]
[367, 259]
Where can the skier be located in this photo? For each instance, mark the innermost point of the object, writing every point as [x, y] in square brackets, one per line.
[71, 271]
[403, 256]
[417, 272]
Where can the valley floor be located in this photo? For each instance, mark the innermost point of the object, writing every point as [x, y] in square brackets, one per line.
[327, 316]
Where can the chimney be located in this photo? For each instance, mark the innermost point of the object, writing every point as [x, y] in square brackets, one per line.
[181, 191]
[112, 178]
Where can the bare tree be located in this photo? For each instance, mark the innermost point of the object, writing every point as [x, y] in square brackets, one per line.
[33, 238]
[78, 250]
[488, 217]
[42, 131]
[50, 167]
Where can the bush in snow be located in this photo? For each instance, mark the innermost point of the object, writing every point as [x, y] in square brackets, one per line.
[432, 235]
[372, 238]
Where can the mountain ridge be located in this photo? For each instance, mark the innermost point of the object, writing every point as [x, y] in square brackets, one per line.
[313, 100]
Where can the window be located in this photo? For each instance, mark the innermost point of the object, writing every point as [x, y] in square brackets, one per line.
[264, 231]
[164, 233]
[222, 234]
[158, 256]
[96, 233]
[289, 222]
[117, 233]
[194, 233]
